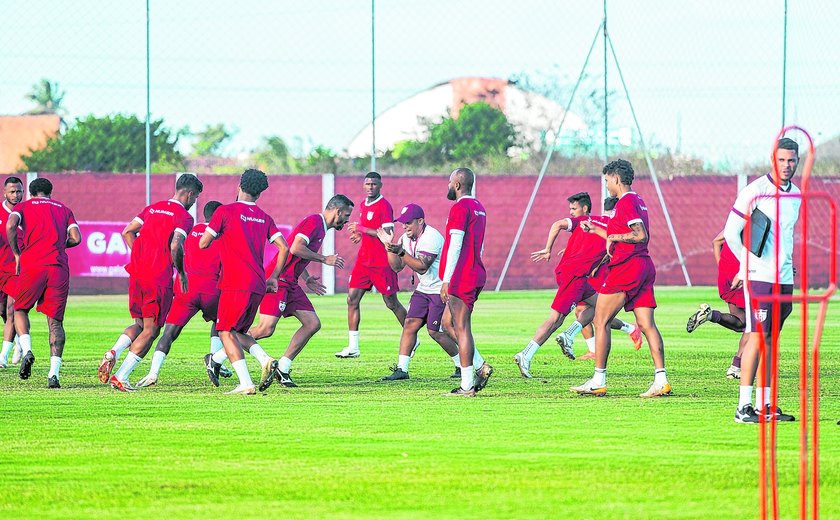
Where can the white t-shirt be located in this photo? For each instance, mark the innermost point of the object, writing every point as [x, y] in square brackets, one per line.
[765, 267]
[430, 243]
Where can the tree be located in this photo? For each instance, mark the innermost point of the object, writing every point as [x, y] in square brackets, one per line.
[273, 156]
[211, 140]
[115, 143]
[47, 97]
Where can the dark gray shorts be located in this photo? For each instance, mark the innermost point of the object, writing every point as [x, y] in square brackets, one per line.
[428, 307]
[763, 312]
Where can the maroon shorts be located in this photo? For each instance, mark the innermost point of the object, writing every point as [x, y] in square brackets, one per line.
[468, 295]
[596, 281]
[383, 278]
[8, 284]
[237, 310]
[288, 299]
[760, 314]
[730, 295]
[149, 300]
[427, 307]
[570, 290]
[185, 306]
[47, 286]
[634, 277]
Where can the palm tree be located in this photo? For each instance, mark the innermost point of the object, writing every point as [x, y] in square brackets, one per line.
[47, 97]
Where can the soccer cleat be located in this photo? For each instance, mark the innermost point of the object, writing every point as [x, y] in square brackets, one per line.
[267, 374]
[53, 382]
[225, 371]
[26, 365]
[733, 372]
[242, 390]
[398, 374]
[122, 386]
[482, 375]
[746, 415]
[456, 374]
[348, 352]
[460, 392]
[566, 345]
[588, 355]
[590, 388]
[524, 364]
[636, 337]
[698, 318]
[3, 365]
[778, 416]
[148, 380]
[106, 365]
[656, 390]
[284, 379]
[17, 353]
[212, 369]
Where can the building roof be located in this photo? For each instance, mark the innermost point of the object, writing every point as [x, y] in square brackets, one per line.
[19, 134]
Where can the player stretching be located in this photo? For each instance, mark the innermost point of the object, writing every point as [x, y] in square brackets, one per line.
[243, 229]
[202, 267]
[49, 228]
[290, 300]
[582, 255]
[13, 192]
[728, 266]
[628, 283]
[156, 238]
[463, 275]
[371, 268]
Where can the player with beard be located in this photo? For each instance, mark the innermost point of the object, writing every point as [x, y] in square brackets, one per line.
[13, 194]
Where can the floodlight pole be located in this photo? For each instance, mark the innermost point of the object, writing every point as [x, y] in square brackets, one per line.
[148, 116]
[784, 65]
[373, 85]
[606, 112]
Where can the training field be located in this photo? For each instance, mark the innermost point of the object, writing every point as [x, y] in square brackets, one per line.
[345, 444]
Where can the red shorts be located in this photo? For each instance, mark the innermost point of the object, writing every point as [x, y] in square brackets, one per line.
[8, 284]
[237, 310]
[383, 278]
[730, 295]
[634, 278]
[48, 286]
[288, 299]
[467, 295]
[185, 306]
[595, 282]
[570, 290]
[149, 300]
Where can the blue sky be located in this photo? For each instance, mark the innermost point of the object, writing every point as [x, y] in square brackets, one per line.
[705, 74]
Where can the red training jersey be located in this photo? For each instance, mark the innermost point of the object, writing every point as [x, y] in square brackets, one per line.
[7, 257]
[151, 253]
[469, 216]
[729, 265]
[45, 223]
[243, 229]
[583, 250]
[312, 229]
[629, 209]
[374, 215]
[202, 265]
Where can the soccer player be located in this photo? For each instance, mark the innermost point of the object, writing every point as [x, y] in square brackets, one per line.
[371, 268]
[243, 229]
[13, 194]
[728, 266]
[764, 268]
[629, 281]
[419, 249]
[290, 300]
[156, 237]
[202, 267]
[463, 275]
[49, 228]
[584, 253]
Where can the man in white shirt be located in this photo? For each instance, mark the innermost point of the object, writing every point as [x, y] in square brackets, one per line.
[763, 270]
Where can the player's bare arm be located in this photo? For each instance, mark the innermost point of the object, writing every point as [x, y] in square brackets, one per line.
[637, 235]
[419, 264]
[12, 235]
[206, 239]
[313, 283]
[74, 237]
[589, 227]
[545, 253]
[717, 244]
[176, 248]
[130, 232]
[300, 250]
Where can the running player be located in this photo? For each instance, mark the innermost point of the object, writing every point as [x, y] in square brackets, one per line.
[13, 194]
[371, 268]
[49, 228]
[463, 275]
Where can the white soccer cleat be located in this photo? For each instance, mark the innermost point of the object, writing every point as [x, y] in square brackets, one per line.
[524, 364]
[590, 388]
[243, 390]
[733, 372]
[656, 390]
[698, 318]
[348, 352]
[566, 345]
[149, 380]
[17, 353]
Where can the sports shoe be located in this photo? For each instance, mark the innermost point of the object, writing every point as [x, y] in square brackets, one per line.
[636, 337]
[122, 386]
[106, 365]
[456, 374]
[26, 365]
[3, 365]
[588, 355]
[566, 345]
[524, 364]
[242, 390]
[746, 415]
[656, 390]
[53, 382]
[778, 416]
[589, 388]
[733, 372]
[398, 374]
[460, 392]
[267, 374]
[148, 380]
[17, 353]
[482, 375]
[698, 318]
[284, 379]
[225, 371]
[212, 369]
[416, 345]
[348, 352]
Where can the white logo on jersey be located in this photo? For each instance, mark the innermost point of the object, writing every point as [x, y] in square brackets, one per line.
[252, 219]
[152, 211]
[479, 213]
[282, 306]
[760, 315]
[370, 215]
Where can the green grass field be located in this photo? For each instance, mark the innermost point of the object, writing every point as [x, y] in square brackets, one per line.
[346, 445]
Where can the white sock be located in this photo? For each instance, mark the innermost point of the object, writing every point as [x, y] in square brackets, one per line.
[25, 344]
[157, 362]
[242, 373]
[215, 344]
[467, 378]
[530, 350]
[220, 356]
[402, 364]
[627, 327]
[659, 377]
[284, 365]
[457, 360]
[123, 342]
[354, 340]
[258, 352]
[600, 377]
[762, 397]
[131, 361]
[573, 329]
[4, 355]
[478, 361]
[590, 344]
[744, 396]
[55, 366]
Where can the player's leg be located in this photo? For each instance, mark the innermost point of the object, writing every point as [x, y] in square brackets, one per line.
[606, 308]
[354, 317]
[170, 333]
[109, 359]
[750, 356]
[734, 370]
[408, 339]
[566, 339]
[462, 327]
[8, 313]
[32, 286]
[394, 305]
[138, 350]
[22, 330]
[216, 346]
[765, 404]
[647, 324]
[57, 339]
[434, 318]
[544, 331]
[310, 324]
[733, 320]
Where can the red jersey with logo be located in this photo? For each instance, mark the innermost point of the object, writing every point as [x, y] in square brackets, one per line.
[312, 229]
[629, 210]
[202, 265]
[374, 215]
[151, 253]
[584, 250]
[243, 229]
[469, 216]
[7, 258]
[45, 223]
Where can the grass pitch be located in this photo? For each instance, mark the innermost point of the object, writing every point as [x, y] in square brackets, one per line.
[346, 445]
